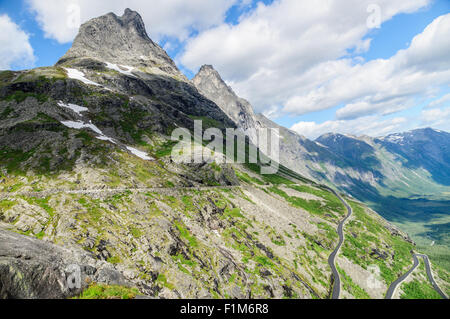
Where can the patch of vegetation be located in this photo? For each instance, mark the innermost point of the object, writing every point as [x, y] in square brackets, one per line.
[12, 159]
[165, 149]
[93, 208]
[20, 96]
[247, 178]
[207, 122]
[135, 232]
[114, 260]
[162, 279]
[274, 179]
[233, 212]
[184, 233]
[418, 290]
[128, 123]
[315, 207]
[8, 110]
[331, 233]
[216, 167]
[40, 235]
[6, 204]
[100, 291]
[41, 202]
[181, 259]
[6, 76]
[188, 203]
[85, 136]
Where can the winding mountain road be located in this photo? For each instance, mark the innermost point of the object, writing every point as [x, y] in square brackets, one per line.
[430, 276]
[397, 283]
[332, 258]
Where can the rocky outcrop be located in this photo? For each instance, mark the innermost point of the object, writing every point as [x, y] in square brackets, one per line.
[121, 40]
[210, 84]
[34, 269]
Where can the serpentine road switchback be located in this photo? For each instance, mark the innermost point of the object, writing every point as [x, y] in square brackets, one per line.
[332, 259]
[397, 283]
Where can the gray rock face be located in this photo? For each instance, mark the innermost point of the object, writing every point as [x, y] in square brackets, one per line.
[211, 85]
[34, 269]
[121, 40]
[296, 151]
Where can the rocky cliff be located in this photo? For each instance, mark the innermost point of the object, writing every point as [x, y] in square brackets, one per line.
[211, 85]
[32, 268]
[123, 41]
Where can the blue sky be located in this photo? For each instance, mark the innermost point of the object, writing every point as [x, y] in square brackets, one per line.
[47, 51]
[189, 52]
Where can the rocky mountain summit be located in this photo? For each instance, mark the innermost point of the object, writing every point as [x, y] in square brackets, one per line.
[209, 82]
[123, 41]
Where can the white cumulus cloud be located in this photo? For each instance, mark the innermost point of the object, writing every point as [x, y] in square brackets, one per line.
[15, 47]
[443, 101]
[437, 118]
[368, 125]
[387, 86]
[172, 18]
[284, 54]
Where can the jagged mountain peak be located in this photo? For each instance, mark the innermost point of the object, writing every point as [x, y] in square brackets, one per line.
[209, 83]
[122, 40]
[207, 68]
[209, 78]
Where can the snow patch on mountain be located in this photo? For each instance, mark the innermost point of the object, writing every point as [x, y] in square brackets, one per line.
[120, 68]
[78, 75]
[76, 108]
[101, 136]
[139, 153]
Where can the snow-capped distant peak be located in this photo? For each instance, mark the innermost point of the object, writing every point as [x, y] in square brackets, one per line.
[394, 138]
